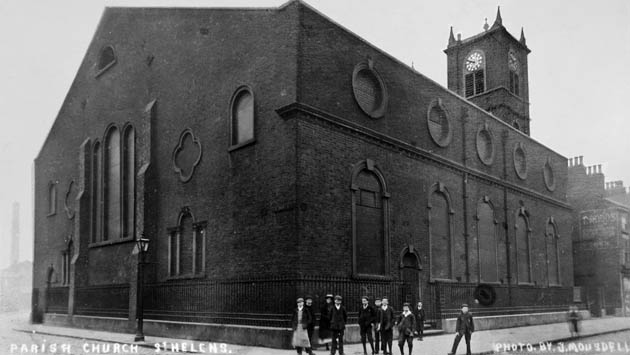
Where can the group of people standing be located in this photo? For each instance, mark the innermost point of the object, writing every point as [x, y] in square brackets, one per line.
[378, 318]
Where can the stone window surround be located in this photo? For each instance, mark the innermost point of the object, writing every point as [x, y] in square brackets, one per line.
[370, 166]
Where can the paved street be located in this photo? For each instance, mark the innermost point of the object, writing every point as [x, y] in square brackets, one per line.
[17, 336]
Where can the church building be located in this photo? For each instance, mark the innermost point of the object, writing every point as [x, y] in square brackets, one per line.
[270, 153]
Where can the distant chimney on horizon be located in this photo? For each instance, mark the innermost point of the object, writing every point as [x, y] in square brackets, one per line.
[15, 234]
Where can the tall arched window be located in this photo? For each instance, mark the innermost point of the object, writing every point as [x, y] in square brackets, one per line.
[486, 242]
[129, 179]
[369, 215]
[52, 198]
[112, 185]
[97, 189]
[515, 67]
[523, 254]
[440, 233]
[242, 116]
[553, 267]
[474, 73]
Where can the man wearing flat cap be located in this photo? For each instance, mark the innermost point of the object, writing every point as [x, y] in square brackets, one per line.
[386, 326]
[366, 318]
[465, 327]
[338, 319]
[299, 321]
[308, 305]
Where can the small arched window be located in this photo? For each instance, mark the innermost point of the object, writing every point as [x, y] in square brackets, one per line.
[486, 242]
[523, 248]
[186, 247]
[112, 185]
[52, 198]
[106, 59]
[440, 234]
[242, 112]
[553, 264]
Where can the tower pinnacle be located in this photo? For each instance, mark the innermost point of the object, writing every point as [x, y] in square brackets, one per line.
[498, 21]
[522, 40]
[451, 38]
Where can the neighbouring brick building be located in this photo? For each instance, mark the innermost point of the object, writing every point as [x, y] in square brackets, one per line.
[271, 153]
[601, 239]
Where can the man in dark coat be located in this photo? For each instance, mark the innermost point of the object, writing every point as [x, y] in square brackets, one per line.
[420, 318]
[377, 319]
[465, 327]
[366, 318]
[324, 320]
[308, 305]
[406, 328]
[338, 319]
[386, 326]
[301, 323]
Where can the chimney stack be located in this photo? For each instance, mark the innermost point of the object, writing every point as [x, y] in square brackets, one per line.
[15, 234]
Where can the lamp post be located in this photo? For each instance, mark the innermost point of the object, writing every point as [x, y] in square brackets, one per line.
[142, 245]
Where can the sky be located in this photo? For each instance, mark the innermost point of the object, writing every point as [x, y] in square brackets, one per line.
[579, 70]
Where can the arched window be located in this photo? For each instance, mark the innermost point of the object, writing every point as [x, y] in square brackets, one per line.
[486, 242]
[440, 233]
[522, 247]
[186, 247]
[514, 66]
[553, 266]
[52, 198]
[129, 160]
[112, 186]
[474, 73]
[369, 212]
[242, 116]
[97, 190]
[106, 59]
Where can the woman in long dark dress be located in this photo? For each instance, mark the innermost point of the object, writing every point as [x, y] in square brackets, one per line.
[324, 322]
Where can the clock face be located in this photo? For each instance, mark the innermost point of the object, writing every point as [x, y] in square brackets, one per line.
[512, 61]
[474, 61]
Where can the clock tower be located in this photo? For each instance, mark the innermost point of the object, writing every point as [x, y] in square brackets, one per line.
[490, 69]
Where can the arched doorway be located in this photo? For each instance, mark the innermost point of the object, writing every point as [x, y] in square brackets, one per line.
[410, 276]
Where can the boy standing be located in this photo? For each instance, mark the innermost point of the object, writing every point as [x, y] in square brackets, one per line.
[420, 318]
[465, 327]
[366, 318]
[406, 327]
[338, 319]
[377, 319]
[386, 326]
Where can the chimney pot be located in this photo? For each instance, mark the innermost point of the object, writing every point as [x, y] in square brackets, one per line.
[599, 168]
[581, 159]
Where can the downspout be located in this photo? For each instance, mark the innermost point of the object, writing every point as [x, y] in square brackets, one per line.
[464, 118]
[505, 218]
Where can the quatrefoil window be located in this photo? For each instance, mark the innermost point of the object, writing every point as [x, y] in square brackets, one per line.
[186, 155]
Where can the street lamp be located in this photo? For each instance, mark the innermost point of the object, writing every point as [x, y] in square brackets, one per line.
[142, 245]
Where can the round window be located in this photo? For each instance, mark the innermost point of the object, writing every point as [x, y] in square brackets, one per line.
[548, 175]
[369, 90]
[485, 148]
[520, 161]
[439, 124]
